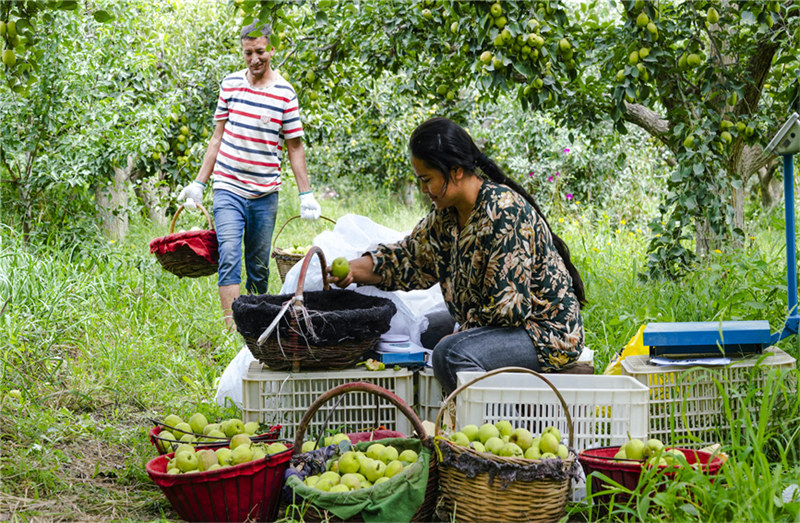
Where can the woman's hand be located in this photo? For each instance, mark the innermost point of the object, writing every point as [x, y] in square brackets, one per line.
[342, 283]
[360, 273]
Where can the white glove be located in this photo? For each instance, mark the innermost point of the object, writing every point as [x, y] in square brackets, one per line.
[193, 194]
[309, 208]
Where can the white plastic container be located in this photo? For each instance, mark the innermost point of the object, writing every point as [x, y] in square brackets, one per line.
[283, 397]
[686, 407]
[604, 409]
[429, 395]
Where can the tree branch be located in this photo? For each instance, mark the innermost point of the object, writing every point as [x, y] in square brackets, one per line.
[649, 120]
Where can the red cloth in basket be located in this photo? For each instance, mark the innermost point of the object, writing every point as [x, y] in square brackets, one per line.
[203, 243]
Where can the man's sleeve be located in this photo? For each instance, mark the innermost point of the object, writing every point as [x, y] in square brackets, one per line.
[222, 104]
[292, 127]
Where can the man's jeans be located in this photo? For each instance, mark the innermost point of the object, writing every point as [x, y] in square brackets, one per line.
[482, 349]
[253, 221]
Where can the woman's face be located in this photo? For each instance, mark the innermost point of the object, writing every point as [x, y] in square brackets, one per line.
[432, 183]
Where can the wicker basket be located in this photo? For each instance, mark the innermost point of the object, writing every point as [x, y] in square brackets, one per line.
[296, 350]
[500, 494]
[426, 510]
[285, 260]
[188, 254]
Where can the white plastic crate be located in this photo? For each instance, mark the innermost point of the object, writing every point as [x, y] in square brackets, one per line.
[429, 395]
[283, 397]
[604, 409]
[686, 406]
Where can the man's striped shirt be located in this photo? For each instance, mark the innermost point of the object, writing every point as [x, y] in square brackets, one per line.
[258, 120]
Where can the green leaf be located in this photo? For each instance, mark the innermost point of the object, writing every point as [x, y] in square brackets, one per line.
[748, 18]
[102, 16]
[698, 168]
[275, 40]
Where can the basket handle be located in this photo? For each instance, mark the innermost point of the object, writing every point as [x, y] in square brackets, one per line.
[275, 239]
[180, 209]
[298, 295]
[356, 386]
[455, 393]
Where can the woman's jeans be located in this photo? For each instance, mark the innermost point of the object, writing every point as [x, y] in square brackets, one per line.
[240, 219]
[482, 349]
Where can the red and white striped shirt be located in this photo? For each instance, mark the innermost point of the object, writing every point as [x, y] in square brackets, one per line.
[258, 121]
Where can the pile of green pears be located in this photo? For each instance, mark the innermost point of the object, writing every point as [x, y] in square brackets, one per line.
[502, 439]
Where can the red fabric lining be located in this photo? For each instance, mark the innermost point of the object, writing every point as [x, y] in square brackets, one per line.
[203, 243]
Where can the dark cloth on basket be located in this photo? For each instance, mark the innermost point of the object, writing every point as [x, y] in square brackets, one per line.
[336, 316]
[203, 243]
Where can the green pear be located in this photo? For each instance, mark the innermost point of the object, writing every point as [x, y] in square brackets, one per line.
[348, 463]
[339, 488]
[163, 444]
[223, 455]
[352, 481]
[233, 427]
[311, 481]
[275, 448]
[471, 432]
[393, 468]
[198, 422]
[375, 470]
[211, 426]
[487, 431]
[186, 461]
[408, 456]
[206, 458]
[653, 446]
[172, 420]
[258, 453]
[241, 454]
[504, 427]
[388, 455]
[380, 480]
[460, 439]
[554, 431]
[251, 427]
[239, 439]
[374, 450]
[563, 452]
[181, 429]
[511, 450]
[493, 445]
[522, 437]
[332, 476]
[533, 453]
[324, 485]
[548, 443]
[308, 446]
[478, 446]
[634, 449]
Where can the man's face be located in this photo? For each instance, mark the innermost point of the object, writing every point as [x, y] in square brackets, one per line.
[257, 54]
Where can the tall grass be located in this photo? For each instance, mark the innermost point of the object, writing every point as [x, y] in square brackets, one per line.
[98, 338]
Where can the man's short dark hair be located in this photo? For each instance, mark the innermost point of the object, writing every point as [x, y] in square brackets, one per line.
[256, 30]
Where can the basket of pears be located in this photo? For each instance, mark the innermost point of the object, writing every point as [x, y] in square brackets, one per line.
[624, 464]
[168, 433]
[496, 472]
[361, 479]
[287, 258]
[238, 482]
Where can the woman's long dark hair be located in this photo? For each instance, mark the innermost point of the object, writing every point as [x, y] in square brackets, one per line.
[444, 145]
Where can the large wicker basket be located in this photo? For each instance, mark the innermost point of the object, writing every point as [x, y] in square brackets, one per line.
[426, 509]
[479, 486]
[188, 254]
[284, 259]
[320, 330]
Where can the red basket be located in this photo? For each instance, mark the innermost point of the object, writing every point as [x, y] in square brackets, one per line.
[627, 472]
[188, 254]
[272, 435]
[247, 492]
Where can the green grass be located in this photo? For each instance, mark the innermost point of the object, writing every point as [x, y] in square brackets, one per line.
[98, 338]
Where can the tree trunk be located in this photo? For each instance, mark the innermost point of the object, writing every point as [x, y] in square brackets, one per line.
[738, 197]
[704, 240]
[154, 196]
[112, 201]
[771, 188]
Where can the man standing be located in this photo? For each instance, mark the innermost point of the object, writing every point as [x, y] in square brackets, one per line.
[257, 115]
